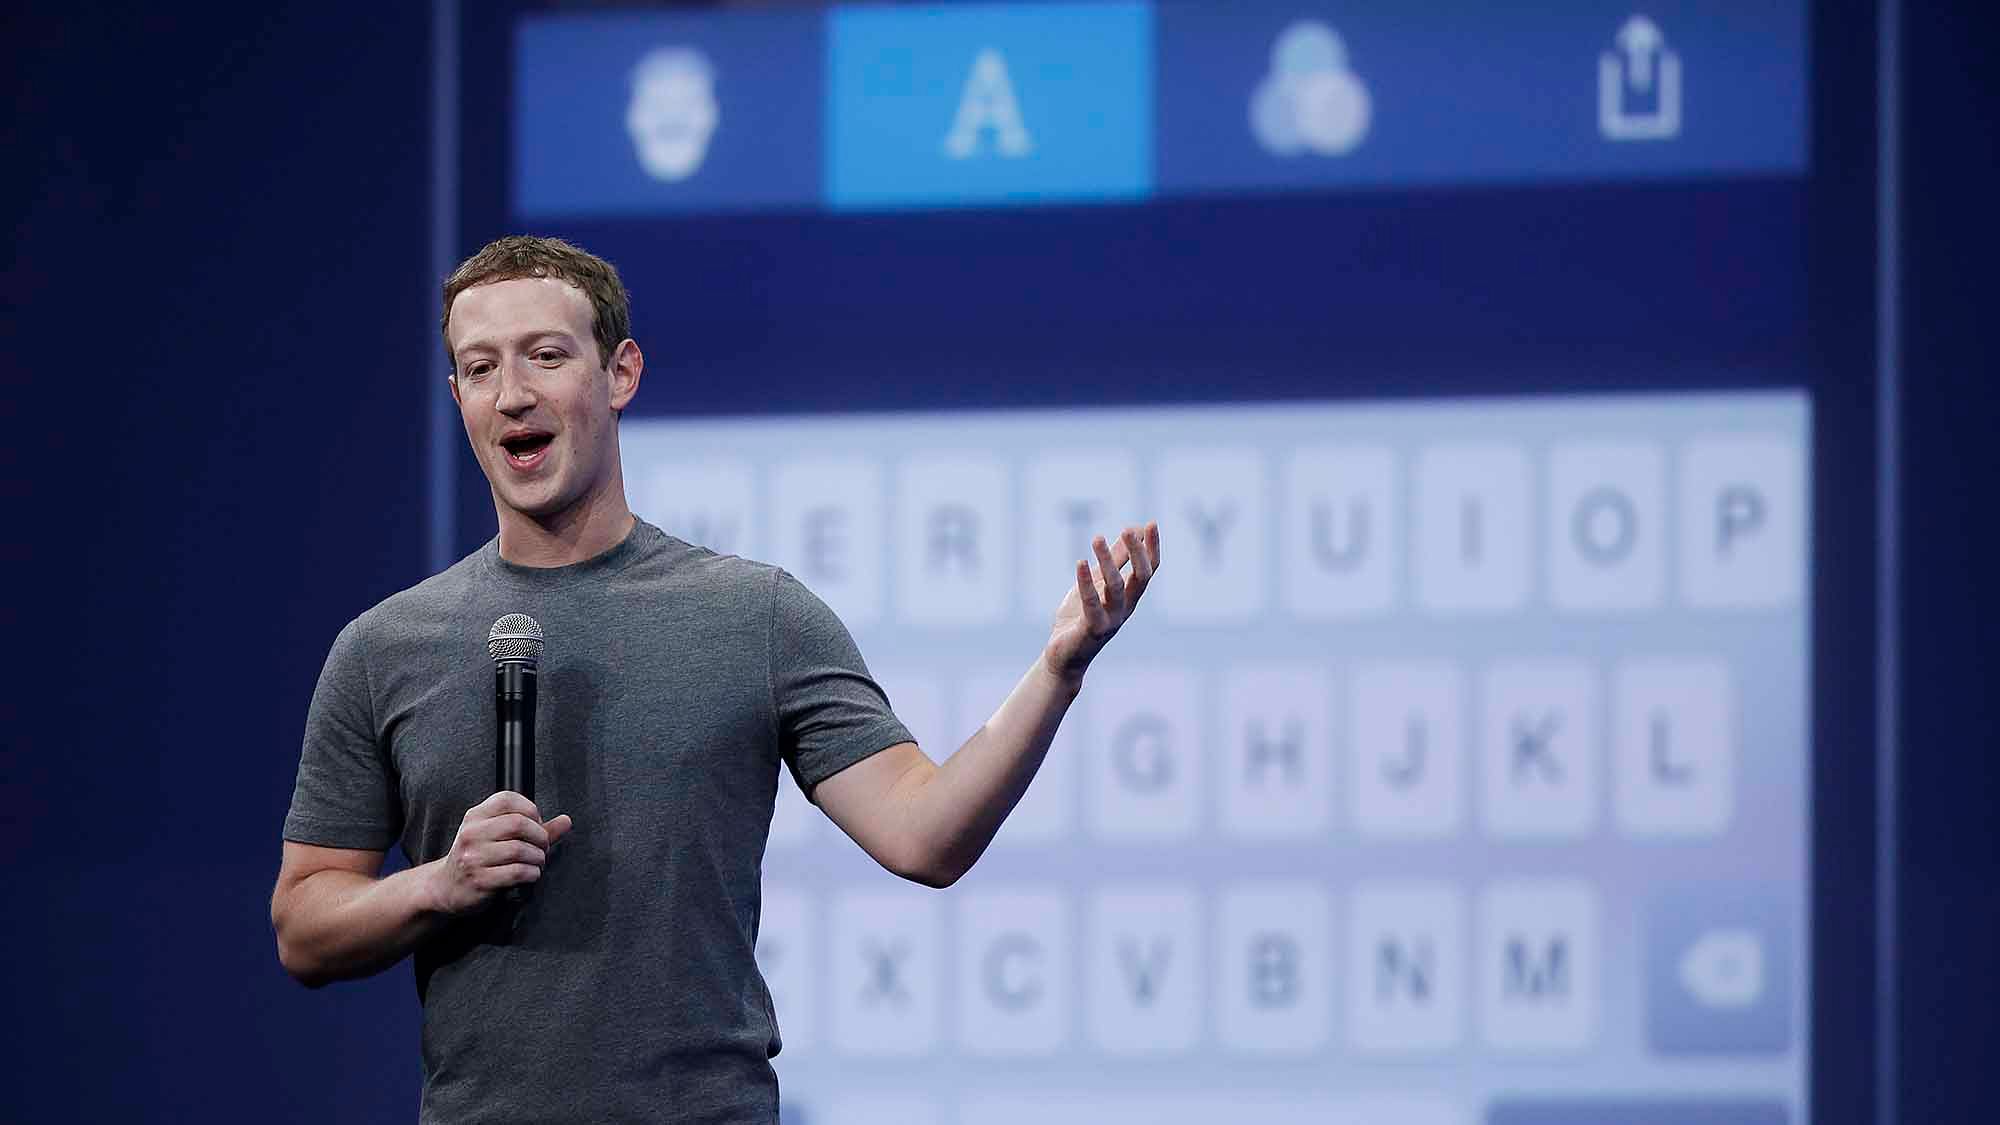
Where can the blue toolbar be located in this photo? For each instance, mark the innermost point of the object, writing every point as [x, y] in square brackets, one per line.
[994, 105]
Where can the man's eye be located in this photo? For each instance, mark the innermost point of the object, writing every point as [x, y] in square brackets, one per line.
[479, 371]
[548, 355]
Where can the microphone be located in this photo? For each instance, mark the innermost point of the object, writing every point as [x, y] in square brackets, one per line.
[515, 643]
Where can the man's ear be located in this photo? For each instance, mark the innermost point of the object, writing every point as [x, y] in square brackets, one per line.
[627, 365]
[451, 381]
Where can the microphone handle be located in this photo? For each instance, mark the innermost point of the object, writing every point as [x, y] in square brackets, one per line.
[514, 738]
[514, 734]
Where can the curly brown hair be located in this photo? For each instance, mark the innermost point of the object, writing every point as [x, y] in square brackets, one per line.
[525, 255]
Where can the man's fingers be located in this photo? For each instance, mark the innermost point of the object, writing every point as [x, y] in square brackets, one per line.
[1142, 567]
[507, 801]
[558, 828]
[508, 826]
[1114, 579]
[1153, 545]
[512, 875]
[503, 853]
[1086, 592]
[1120, 550]
[530, 829]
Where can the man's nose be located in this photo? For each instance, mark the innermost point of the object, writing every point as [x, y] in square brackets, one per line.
[516, 393]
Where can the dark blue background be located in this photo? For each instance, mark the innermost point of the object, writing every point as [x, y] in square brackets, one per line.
[221, 323]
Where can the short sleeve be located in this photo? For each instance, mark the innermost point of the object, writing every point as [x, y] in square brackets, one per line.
[346, 793]
[830, 712]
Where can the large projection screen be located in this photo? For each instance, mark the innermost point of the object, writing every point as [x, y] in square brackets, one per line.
[1462, 765]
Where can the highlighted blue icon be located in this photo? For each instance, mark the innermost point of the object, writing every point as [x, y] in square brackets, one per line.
[978, 104]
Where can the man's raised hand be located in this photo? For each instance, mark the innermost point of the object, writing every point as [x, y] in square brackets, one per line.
[1101, 601]
[502, 842]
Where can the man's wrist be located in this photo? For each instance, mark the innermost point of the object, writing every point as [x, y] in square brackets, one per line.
[425, 893]
[1068, 685]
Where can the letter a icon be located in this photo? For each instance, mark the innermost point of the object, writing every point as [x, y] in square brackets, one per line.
[988, 103]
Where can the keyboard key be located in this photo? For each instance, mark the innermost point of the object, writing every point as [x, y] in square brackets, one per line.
[1144, 748]
[1664, 1111]
[1743, 523]
[1342, 531]
[1013, 971]
[1217, 1108]
[1473, 517]
[1406, 743]
[1720, 965]
[954, 540]
[1212, 507]
[1607, 526]
[1144, 969]
[1673, 738]
[827, 529]
[1406, 967]
[1273, 967]
[886, 974]
[1539, 964]
[1277, 751]
[1538, 749]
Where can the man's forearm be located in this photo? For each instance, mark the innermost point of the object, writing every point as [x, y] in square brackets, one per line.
[336, 925]
[955, 808]
[930, 822]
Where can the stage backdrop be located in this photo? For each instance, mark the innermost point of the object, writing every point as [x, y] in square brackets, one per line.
[220, 308]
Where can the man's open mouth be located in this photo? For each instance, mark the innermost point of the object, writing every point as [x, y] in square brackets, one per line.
[525, 451]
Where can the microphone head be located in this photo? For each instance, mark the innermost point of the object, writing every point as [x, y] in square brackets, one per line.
[515, 637]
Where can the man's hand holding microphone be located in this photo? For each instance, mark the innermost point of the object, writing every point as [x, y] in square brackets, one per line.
[502, 843]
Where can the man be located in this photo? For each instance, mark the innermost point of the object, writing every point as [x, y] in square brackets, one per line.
[676, 684]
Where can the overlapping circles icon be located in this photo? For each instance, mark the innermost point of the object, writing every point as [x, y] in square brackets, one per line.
[1311, 101]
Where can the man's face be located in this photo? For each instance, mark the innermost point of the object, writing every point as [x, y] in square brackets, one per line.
[672, 112]
[537, 402]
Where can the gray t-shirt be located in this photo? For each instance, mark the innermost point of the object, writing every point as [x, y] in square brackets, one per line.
[674, 682]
